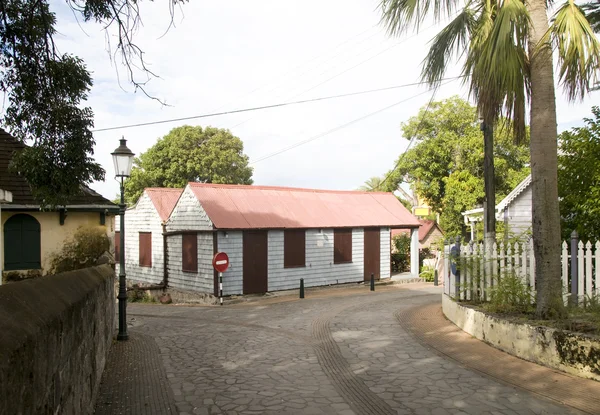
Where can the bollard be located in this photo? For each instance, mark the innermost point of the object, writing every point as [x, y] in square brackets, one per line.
[301, 287]
[372, 282]
[435, 278]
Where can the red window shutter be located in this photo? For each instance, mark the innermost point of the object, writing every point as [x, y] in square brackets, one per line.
[294, 248]
[145, 249]
[189, 252]
[117, 246]
[342, 246]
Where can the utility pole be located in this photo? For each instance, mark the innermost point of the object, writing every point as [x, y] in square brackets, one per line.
[489, 206]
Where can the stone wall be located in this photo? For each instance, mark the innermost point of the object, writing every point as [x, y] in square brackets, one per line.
[574, 353]
[56, 334]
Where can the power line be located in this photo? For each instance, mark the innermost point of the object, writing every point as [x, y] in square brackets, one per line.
[283, 104]
[308, 140]
[412, 139]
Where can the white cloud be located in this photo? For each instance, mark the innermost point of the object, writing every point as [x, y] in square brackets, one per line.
[240, 54]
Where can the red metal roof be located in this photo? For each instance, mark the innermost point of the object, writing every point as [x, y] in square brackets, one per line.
[266, 207]
[164, 200]
[424, 229]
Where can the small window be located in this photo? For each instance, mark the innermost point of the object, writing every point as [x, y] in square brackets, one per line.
[145, 249]
[117, 246]
[189, 252]
[294, 248]
[342, 246]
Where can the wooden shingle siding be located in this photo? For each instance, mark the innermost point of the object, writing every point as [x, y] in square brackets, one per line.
[319, 269]
[385, 252]
[294, 254]
[202, 280]
[188, 214]
[142, 218]
[519, 213]
[232, 245]
[342, 246]
[189, 252]
[145, 249]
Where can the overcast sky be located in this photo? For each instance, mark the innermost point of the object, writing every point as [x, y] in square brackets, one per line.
[236, 54]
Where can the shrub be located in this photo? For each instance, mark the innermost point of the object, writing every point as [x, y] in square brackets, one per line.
[510, 295]
[82, 250]
[428, 274]
[401, 254]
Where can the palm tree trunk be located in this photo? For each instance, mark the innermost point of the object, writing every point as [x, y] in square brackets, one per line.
[544, 169]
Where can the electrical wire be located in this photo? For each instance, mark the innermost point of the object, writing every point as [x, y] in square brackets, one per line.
[308, 140]
[282, 104]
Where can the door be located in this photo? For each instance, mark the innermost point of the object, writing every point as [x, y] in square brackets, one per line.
[255, 262]
[22, 247]
[372, 253]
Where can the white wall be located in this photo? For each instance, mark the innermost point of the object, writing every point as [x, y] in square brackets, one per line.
[201, 281]
[188, 214]
[519, 213]
[142, 218]
[386, 249]
[233, 246]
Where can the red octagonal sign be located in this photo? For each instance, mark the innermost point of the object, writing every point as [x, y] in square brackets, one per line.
[220, 262]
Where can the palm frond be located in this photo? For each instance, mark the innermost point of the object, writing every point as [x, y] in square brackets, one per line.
[397, 16]
[578, 50]
[451, 40]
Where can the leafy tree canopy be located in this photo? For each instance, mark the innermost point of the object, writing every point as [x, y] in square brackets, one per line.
[579, 179]
[45, 90]
[190, 154]
[445, 166]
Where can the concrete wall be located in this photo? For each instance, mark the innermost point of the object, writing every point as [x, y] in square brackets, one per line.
[56, 334]
[53, 234]
[203, 280]
[573, 353]
[143, 217]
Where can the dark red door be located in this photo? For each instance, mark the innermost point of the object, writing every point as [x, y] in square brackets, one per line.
[255, 262]
[372, 253]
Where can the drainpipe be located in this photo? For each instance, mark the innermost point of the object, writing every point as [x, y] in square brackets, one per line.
[165, 282]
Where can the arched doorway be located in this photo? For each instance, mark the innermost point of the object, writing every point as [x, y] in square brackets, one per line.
[22, 243]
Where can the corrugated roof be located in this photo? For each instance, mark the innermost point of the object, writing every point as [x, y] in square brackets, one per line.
[267, 207]
[19, 187]
[424, 230]
[164, 200]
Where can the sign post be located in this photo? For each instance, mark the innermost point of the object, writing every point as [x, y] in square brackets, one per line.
[220, 264]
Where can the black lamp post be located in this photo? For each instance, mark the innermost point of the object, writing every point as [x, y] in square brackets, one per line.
[123, 159]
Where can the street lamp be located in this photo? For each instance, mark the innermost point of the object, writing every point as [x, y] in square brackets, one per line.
[123, 159]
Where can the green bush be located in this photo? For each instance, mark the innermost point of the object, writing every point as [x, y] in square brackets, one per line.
[82, 250]
[510, 294]
[427, 274]
[401, 256]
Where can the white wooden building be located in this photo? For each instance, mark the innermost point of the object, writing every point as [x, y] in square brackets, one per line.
[514, 211]
[274, 236]
[144, 240]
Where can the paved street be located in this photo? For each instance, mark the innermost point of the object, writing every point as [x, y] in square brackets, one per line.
[342, 352]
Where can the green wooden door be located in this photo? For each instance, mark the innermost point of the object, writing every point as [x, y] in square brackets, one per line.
[22, 243]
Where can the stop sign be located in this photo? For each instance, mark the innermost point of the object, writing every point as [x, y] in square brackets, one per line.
[220, 262]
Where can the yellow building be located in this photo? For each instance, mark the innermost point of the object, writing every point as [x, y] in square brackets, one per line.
[31, 236]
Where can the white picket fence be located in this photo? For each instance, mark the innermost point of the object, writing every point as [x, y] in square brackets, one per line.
[480, 269]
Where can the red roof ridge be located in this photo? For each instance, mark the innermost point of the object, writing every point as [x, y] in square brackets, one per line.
[283, 188]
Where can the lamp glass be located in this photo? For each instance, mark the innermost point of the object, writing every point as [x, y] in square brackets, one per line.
[123, 164]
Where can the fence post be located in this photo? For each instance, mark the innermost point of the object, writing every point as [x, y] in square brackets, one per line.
[458, 264]
[574, 270]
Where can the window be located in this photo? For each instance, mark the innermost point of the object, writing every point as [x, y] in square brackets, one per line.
[145, 249]
[117, 246]
[189, 252]
[22, 245]
[294, 248]
[342, 246]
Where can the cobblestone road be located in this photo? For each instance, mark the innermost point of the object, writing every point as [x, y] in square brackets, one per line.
[336, 355]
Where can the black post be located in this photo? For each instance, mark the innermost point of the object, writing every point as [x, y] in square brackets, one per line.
[122, 297]
[435, 278]
[221, 288]
[301, 287]
[372, 282]
[574, 269]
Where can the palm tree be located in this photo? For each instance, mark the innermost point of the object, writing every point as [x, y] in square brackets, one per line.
[507, 46]
[371, 185]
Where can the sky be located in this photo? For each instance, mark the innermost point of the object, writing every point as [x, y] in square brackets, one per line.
[221, 56]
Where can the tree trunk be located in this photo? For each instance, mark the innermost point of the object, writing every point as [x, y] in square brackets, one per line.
[544, 169]
[489, 208]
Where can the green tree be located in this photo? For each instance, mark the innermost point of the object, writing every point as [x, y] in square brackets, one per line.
[190, 154]
[445, 167]
[372, 185]
[508, 50]
[579, 179]
[45, 91]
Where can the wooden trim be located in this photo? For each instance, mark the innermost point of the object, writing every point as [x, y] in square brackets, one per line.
[165, 257]
[294, 248]
[145, 249]
[342, 246]
[189, 253]
[117, 246]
